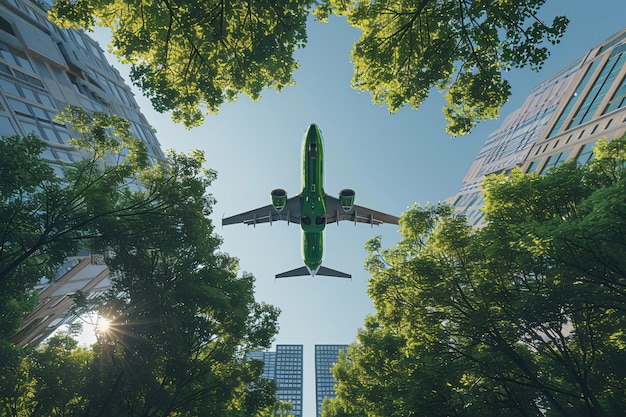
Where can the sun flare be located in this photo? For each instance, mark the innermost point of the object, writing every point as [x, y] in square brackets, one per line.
[103, 325]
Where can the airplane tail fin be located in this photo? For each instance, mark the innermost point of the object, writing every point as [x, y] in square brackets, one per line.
[322, 270]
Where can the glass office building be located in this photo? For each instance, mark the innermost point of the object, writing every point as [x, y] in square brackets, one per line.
[325, 358]
[43, 69]
[561, 119]
[594, 106]
[284, 366]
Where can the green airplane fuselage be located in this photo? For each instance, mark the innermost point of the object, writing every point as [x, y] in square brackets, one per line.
[312, 199]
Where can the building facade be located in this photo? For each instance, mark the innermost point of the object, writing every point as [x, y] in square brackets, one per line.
[325, 358]
[88, 274]
[284, 367]
[43, 69]
[592, 107]
[561, 119]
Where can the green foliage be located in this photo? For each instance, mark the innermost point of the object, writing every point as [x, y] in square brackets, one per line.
[24, 177]
[48, 381]
[181, 317]
[279, 408]
[524, 317]
[462, 48]
[43, 211]
[191, 56]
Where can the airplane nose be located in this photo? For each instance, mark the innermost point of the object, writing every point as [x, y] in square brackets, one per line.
[312, 133]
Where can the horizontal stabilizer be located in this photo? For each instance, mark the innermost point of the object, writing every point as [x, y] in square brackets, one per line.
[298, 272]
[327, 272]
[322, 270]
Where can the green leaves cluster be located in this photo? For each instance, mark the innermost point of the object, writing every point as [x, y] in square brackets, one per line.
[181, 317]
[47, 381]
[190, 57]
[524, 317]
[45, 210]
[460, 47]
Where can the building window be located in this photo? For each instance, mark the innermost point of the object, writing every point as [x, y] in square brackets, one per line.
[574, 98]
[15, 58]
[599, 90]
[619, 98]
[28, 78]
[6, 26]
[6, 128]
[586, 153]
[8, 87]
[555, 161]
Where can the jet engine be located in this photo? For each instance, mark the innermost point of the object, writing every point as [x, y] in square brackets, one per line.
[346, 199]
[279, 199]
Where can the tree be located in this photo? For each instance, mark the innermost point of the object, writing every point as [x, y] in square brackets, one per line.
[524, 317]
[460, 47]
[46, 216]
[279, 408]
[49, 381]
[186, 56]
[180, 317]
[189, 56]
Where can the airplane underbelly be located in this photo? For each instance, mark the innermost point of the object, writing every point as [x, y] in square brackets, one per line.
[312, 213]
[312, 249]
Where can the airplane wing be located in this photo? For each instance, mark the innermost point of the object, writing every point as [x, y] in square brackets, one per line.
[268, 214]
[335, 213]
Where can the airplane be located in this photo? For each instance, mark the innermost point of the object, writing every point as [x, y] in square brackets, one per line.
[313, 209]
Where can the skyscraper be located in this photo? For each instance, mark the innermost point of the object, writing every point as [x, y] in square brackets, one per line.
[593, 106]
[284, 366]
[43, 69]
[561, 119]
[325, 357]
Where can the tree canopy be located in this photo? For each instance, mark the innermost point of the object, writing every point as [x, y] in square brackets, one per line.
[47, 214]
[190, 57]
[462, 48]
[180, 316]
[523, 317]
[57, 210]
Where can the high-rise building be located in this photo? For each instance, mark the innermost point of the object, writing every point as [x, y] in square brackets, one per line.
[284, 366]
[561, 119]
[269, 363]
[43, 69]
[325, 358]
[593, 106]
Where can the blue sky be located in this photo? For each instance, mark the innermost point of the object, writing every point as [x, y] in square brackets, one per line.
[390, 160]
